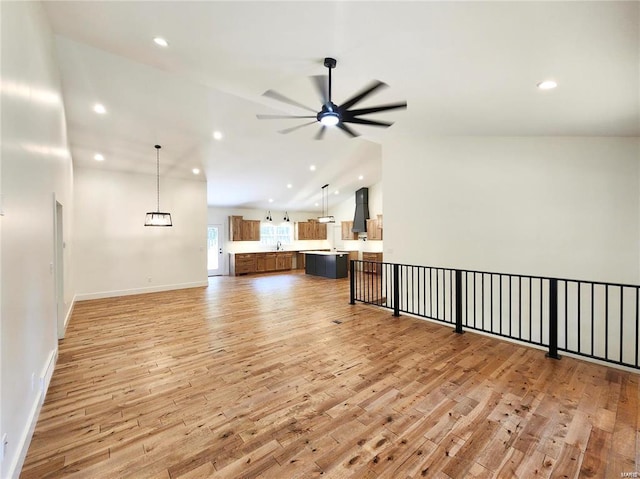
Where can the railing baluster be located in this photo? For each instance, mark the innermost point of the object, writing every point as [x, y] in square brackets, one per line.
[580, 320]
[459, 302]
[566, 317]
[419, 289]
[530, 309]
[500, 302]
[437, 296]
[396, 290]
[466, 298]
[405, 282]
[475, 309]
[482, 296]
[541, 325]
[606, 322]
[451, 295]
[593, 329]
[430, 293]
[510, 305]
[352, 292]
[637, 338]
[519, 307]
[491, 311]
[621, 321]
[553, 318]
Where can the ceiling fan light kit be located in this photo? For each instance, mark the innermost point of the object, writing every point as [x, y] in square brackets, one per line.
[331, 114]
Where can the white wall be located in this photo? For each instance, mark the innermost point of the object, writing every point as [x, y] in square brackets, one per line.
[566, 207]
[115, 254]
[35, 165]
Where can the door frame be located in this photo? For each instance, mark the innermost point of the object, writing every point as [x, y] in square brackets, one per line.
[58, 267]
[222, 258]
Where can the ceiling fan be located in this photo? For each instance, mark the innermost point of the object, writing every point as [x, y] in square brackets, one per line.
[330, 113]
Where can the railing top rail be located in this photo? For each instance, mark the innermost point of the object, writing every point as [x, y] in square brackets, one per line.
[516, 275]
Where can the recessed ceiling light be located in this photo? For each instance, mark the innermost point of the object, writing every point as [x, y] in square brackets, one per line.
[289, 185]
[217, 135]
[312, 167]
[98, 157]
[99, 108]
[361, 177]
[317, 204]
[547, 85]
[336, 192]
[196, 171]
[270, 200]
[161, 42]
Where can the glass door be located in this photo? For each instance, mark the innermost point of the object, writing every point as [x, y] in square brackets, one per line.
[215, 259]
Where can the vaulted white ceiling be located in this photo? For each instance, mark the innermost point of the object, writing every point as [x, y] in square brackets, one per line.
[464, 68]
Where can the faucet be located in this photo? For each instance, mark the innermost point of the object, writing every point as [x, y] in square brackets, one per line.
[279, 246]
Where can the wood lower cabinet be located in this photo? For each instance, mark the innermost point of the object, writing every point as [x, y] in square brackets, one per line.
[284, 261]
[374, 268]
[260, 260]
[270, 261]
[249, 263]
[243, 263]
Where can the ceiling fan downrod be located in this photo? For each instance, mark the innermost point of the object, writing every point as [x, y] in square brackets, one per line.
[329, 115]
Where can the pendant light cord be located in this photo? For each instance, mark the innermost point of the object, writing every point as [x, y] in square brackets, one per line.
[329, 86]
[325, 197]
[158, 176]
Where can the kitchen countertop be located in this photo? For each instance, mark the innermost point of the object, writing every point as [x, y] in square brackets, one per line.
[293, 251]
[326, 253]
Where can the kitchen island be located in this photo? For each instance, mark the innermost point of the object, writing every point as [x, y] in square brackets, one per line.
[328, 264]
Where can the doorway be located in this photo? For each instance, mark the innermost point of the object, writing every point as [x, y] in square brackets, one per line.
[59, 268]
[215, 257]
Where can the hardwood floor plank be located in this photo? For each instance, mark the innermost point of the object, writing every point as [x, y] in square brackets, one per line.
[250, 377]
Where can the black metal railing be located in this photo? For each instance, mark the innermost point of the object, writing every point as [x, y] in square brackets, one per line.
[587, 318]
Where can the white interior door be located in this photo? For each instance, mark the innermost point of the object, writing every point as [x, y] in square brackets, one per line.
[215, 256]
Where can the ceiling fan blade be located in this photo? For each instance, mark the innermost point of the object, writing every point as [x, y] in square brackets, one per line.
[320, 133]
[376, 109]
[280, 97]
[282, 117]
[364, 121]
[373, 86]
[321, 82]
[347, 130]
[289, 130]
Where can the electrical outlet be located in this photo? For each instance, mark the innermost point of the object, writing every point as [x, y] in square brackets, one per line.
[149, 280]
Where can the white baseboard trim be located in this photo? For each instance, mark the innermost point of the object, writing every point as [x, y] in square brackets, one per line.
[34, 413]
[70, 311]
[128, 292]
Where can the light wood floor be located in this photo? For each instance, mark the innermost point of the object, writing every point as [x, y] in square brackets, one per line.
[278, 376]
